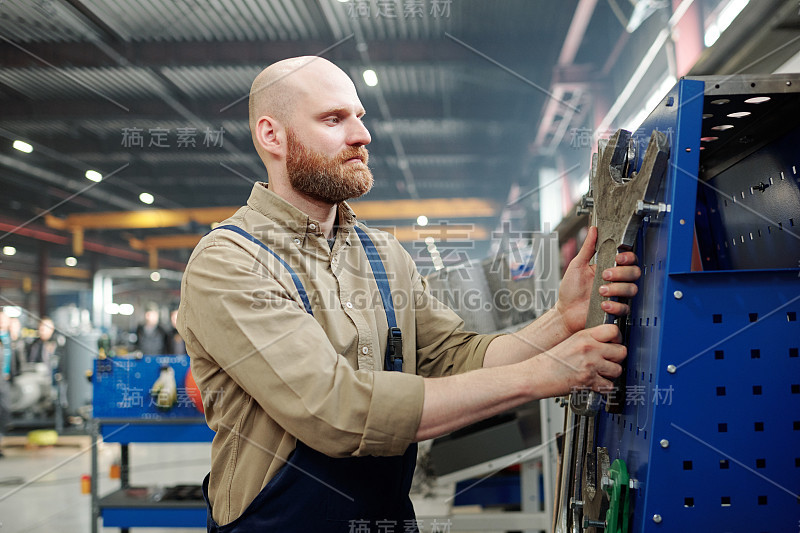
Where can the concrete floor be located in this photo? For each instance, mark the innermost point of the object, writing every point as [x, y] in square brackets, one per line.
[40, 488]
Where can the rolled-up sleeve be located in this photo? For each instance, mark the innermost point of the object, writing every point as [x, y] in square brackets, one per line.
[243, 311]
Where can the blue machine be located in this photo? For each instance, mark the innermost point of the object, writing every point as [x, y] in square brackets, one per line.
[122, 388]
[125, 412]
[711, 422]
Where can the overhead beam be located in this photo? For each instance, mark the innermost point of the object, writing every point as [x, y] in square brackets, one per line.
[69, 272]
[365, 210]
[437, 207]
[476, 105]
[144, 219]
[166, 242]
[461, 232]
[420, 138]
[440, 232]
[161, 53]
[33, 231]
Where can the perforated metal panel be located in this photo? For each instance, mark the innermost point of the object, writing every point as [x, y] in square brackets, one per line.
[711, 418]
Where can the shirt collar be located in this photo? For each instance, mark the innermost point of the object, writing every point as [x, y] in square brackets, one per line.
[285, 214]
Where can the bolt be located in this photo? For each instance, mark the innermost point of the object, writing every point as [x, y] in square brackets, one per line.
[575, 504]
[606, 482]
[678, 295]
[671, 369]
[588, 522]
[664, 443]
[788, 84]
[634, 484]
[657, 518]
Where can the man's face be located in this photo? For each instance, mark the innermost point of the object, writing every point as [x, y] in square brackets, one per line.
[330, 179]
[151, 317]
[46, 329]
[326, 158]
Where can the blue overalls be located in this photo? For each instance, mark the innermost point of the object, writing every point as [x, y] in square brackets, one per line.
[314, 493]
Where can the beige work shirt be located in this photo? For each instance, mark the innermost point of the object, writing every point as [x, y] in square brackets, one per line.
[270, 373]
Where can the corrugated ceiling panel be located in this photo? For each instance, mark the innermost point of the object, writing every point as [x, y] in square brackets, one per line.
[432, 129]
[391, 19]
[406, 79]
[211, 82]
[197, 157]
[29, 128]
[42, 20]
[200, 20]
[65, 82]
[122, 128]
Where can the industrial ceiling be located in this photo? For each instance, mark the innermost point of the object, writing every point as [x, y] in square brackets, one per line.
[151, 94]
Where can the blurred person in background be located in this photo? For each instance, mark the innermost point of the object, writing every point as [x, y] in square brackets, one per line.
[43, 349]
[151, 338]
[18, 347]
[6, 356]
[176, 343]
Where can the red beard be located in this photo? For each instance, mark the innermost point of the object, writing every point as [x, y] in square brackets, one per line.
[327, 179]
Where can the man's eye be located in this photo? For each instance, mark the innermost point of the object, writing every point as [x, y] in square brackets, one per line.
[332, 120]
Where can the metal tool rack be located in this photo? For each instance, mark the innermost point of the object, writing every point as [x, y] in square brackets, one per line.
[123, 413]
[710, 429]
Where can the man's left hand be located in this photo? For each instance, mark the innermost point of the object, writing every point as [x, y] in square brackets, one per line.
[574, 291]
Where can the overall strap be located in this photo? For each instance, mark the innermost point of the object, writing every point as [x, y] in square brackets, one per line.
[297, 283]
[394, 343]
[379, 273]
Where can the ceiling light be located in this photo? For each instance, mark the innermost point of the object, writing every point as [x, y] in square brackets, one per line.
[126, 309]
[9, 250]
[70, 261]
[155, 275]
[422, 220]
[724, 19]
[429, 240]
[146, 198]
[22, 146]
[711, 36]
[112, 309]
[94, 175]
[370, 78]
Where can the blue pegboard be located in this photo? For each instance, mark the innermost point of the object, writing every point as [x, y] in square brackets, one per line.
[122, 388]
[714, 441]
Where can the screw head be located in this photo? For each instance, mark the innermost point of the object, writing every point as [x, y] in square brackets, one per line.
[664, 443]
[678, 295]
[671, 369]
[657, 518]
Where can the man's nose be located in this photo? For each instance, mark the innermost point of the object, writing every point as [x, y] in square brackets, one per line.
[358, 134]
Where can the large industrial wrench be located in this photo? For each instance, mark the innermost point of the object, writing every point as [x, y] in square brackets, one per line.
[619, 205]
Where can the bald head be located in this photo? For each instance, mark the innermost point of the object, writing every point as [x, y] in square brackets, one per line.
[279, 88]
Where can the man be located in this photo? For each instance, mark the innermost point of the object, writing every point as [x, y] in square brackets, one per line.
[6, 374]
[311, 433]
[151, 338]
[43, 348]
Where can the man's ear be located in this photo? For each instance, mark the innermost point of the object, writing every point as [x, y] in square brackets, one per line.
[270, 135]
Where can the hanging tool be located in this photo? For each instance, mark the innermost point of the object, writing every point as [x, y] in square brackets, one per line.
[620, 198]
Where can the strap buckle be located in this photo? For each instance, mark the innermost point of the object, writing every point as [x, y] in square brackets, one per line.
[394, 350]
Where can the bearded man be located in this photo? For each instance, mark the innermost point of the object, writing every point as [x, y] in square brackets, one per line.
[331, 355]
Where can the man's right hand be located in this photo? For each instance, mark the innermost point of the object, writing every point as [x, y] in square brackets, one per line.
[586, 360]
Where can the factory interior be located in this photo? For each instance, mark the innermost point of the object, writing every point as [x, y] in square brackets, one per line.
[499, 132]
